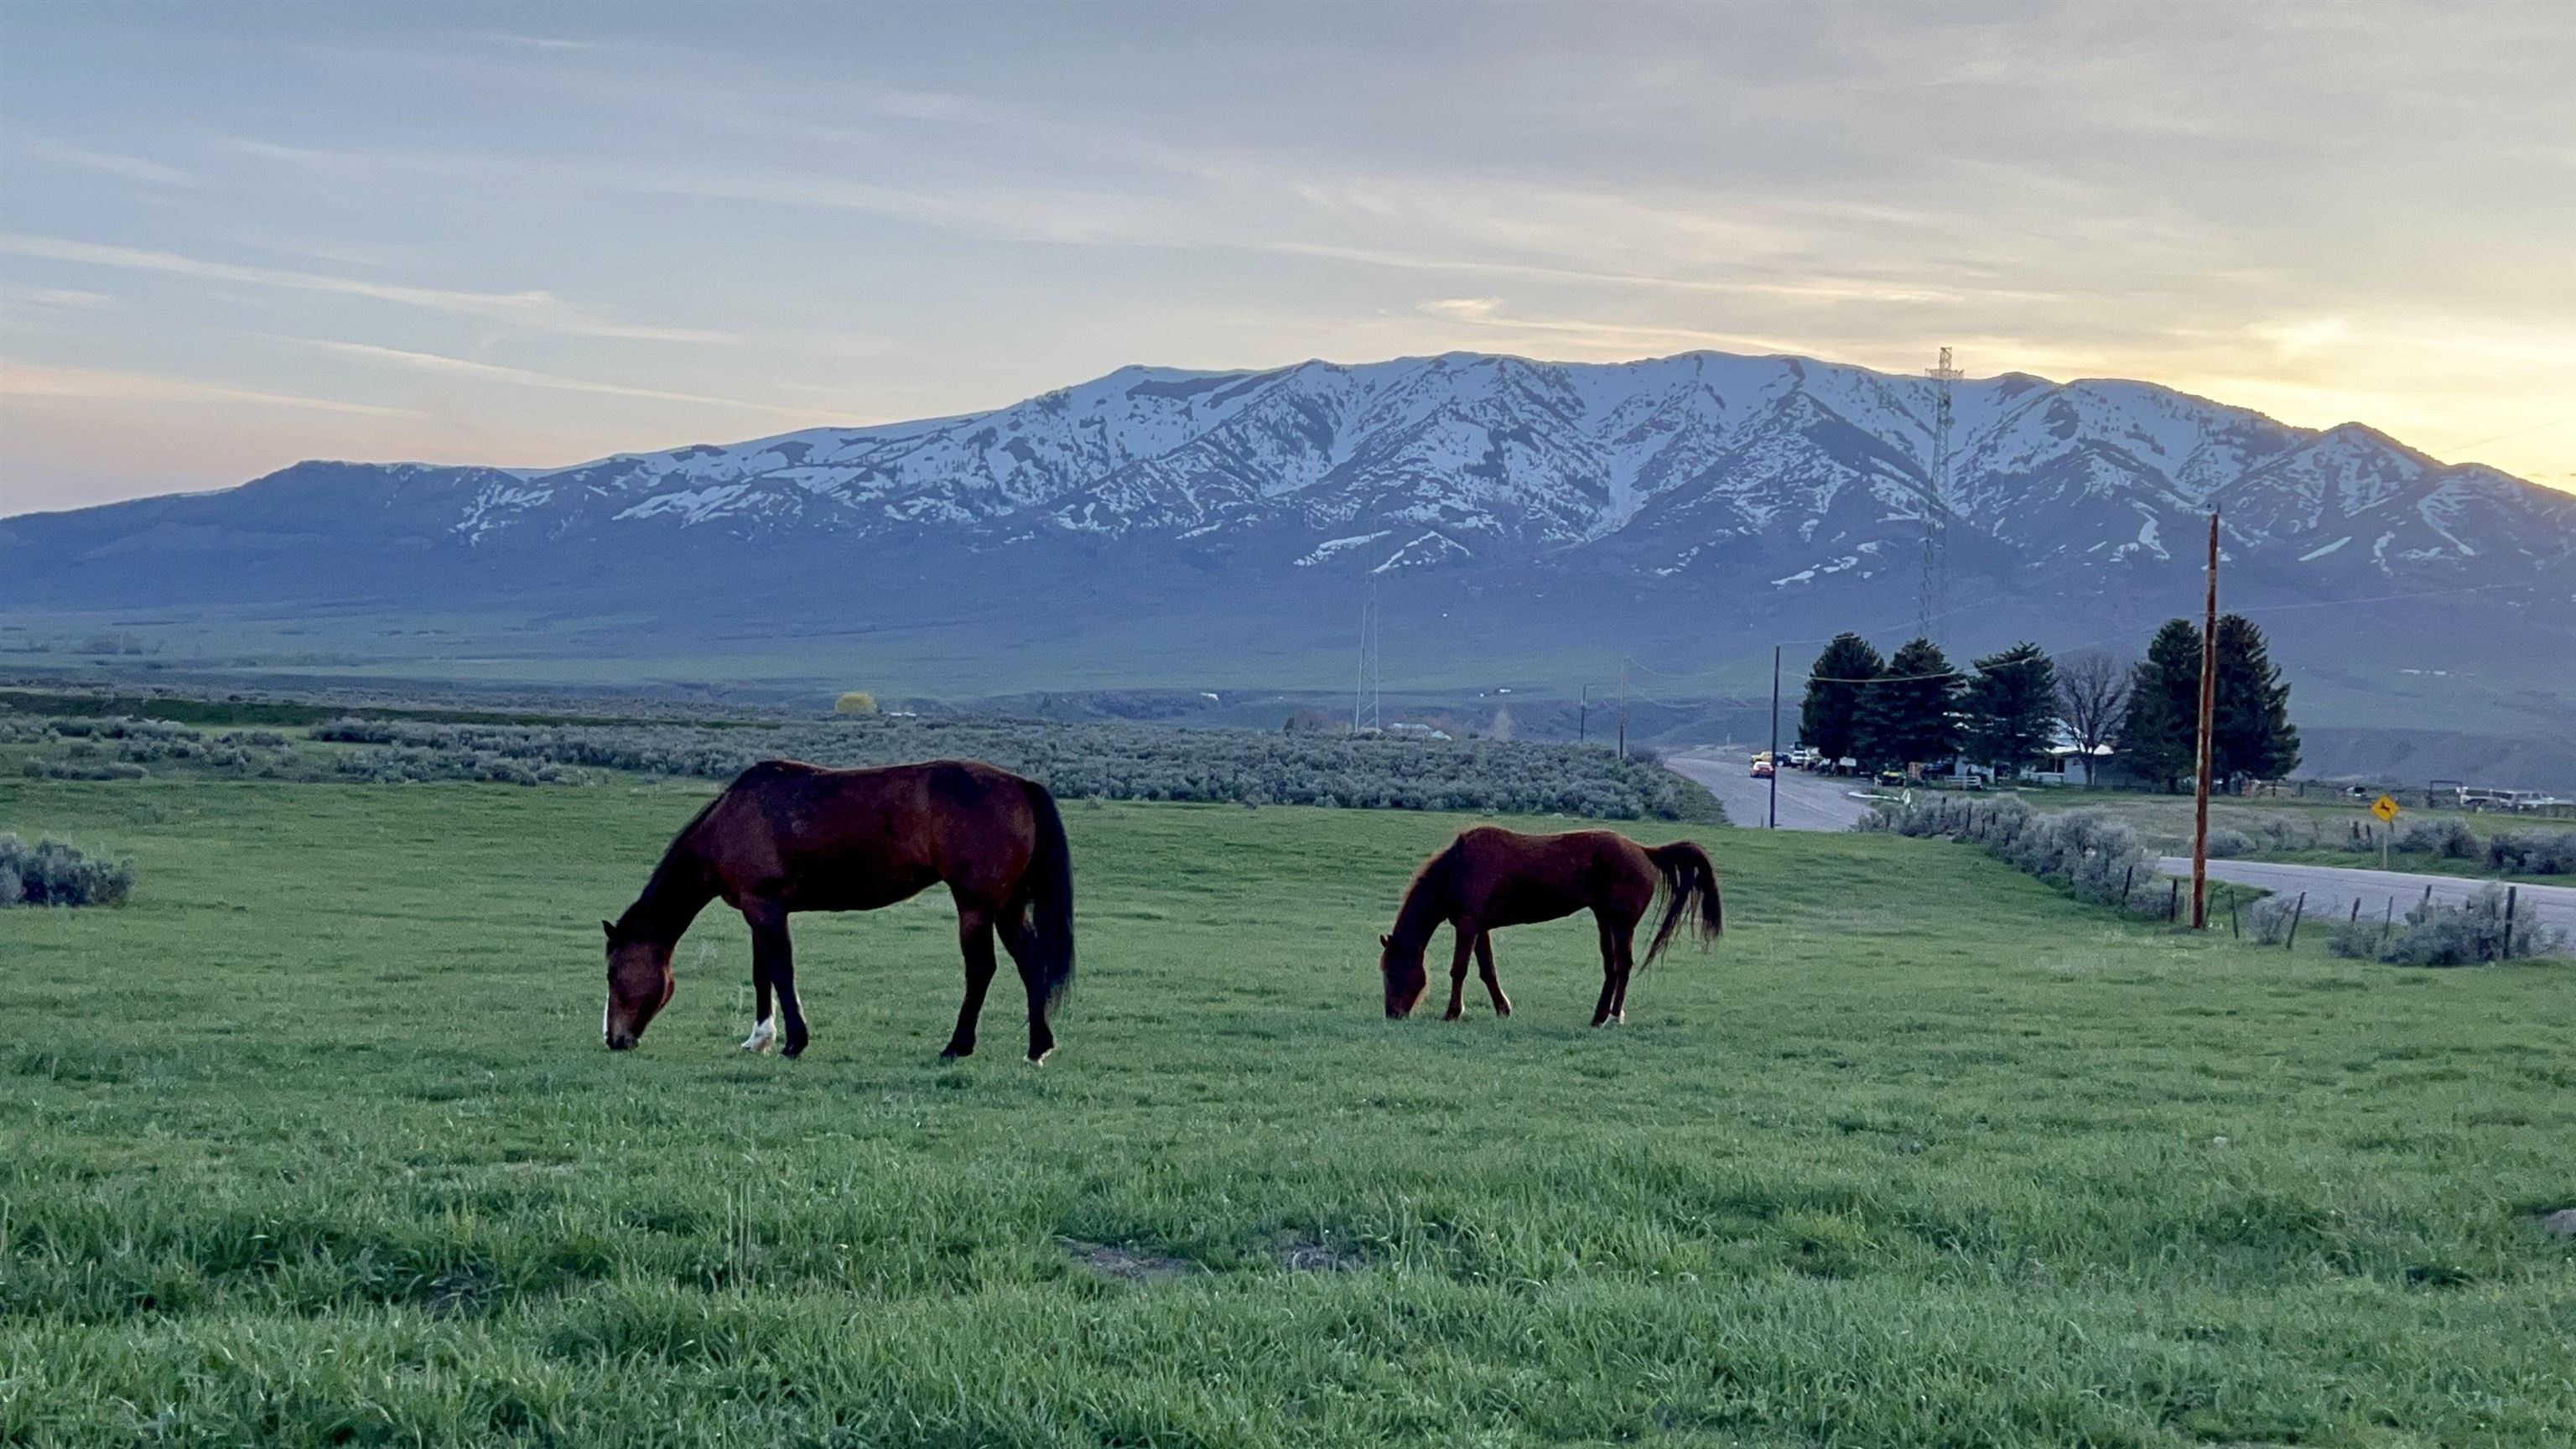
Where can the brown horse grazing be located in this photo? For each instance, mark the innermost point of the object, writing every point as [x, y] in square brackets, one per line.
[786, 837]
[1489, 878]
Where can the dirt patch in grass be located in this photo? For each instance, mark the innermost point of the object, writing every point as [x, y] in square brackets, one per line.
[457, 1292]
[1131, 1265]
[1306, 1255]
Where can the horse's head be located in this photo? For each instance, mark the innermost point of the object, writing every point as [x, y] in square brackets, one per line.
[1405, 978]
[640, 984]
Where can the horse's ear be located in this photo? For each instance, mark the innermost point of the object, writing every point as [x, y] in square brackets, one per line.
[610, 927]
[1385, 941]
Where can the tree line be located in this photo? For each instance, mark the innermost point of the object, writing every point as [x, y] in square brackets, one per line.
[2011, 707]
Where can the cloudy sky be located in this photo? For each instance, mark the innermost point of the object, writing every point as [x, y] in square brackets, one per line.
[233, 236]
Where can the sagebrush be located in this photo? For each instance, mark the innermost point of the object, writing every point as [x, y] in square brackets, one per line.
[2441, 933]
[1097, 761]
[52, 873]
[2090, 852]
[1078, 761]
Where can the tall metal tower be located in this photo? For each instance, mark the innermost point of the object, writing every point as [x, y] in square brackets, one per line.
[1932, 601]
[1366, 711]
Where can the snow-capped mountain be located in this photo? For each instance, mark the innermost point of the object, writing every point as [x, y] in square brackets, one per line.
[1554, 506]
[1681, 465]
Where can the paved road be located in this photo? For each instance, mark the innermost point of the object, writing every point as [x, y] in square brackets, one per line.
[1807, 802]
[2332, 889]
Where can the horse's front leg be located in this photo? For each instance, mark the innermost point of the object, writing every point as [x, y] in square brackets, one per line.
[1466, 945]
[975, 941]
[1485, 969]
[773, 959]
[764, 1029]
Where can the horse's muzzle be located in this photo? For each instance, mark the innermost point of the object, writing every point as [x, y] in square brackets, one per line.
[624, 1041]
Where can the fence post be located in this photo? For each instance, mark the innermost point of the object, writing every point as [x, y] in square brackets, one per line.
[2356, 912]
[2509, 893]
[2232, 928]
[2127, 880]
[2296, 912]
[2173, 904]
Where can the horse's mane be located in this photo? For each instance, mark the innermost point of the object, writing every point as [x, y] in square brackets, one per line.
[1425, 896]
[678, 877]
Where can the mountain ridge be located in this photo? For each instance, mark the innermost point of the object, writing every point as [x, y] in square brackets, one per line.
[1157, 520]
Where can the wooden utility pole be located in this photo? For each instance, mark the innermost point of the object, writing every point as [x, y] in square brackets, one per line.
[1775, 738]
[2208, 721]
[1623, 709]
[1583, 717]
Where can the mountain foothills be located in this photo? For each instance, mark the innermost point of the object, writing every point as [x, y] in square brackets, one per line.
[1518, 518]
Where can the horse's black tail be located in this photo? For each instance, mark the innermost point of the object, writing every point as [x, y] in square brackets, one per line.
[1689, 889]
[1050, 892]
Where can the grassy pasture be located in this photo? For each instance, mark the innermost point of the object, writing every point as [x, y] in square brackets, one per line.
[315, 1143]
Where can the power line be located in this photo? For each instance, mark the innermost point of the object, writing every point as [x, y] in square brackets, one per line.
[2516, 433]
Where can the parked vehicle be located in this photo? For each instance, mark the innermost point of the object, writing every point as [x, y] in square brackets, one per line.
[1762, 769]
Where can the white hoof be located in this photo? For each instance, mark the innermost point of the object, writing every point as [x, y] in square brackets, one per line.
[762, 1034]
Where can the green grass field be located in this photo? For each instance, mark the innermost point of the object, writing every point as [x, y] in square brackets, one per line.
[315, 1143]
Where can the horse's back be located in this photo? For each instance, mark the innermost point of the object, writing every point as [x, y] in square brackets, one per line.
[1513, 878]
[893, 827]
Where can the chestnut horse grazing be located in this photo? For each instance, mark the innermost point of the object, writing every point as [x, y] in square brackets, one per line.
[1489, 878]
[787, 837]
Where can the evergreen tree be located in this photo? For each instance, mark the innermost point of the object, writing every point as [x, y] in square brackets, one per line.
[1910, 717]
[2012, 709]
[2253, 736]
[2159, 737]
[1829, 719]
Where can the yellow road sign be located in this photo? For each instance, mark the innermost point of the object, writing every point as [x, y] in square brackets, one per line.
[2385, 807]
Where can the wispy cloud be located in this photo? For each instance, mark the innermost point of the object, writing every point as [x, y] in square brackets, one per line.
[524, 377]
[540, 311]
[61, 297]
[39, 380]
[132, 168]
[1594, 340]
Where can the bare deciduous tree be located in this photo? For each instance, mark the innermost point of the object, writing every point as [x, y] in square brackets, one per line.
[2092, 694]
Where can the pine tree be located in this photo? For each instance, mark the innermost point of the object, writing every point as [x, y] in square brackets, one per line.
[1829, 719]
[2253, 736]
[1910, 718]
[2012, 709]
[2159, 737]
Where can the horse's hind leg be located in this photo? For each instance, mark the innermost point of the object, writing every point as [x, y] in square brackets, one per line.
[1485, 969]
[1627, 941]
[975, 940]
[1021, 940]
[774, 960]
[1610, 975]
